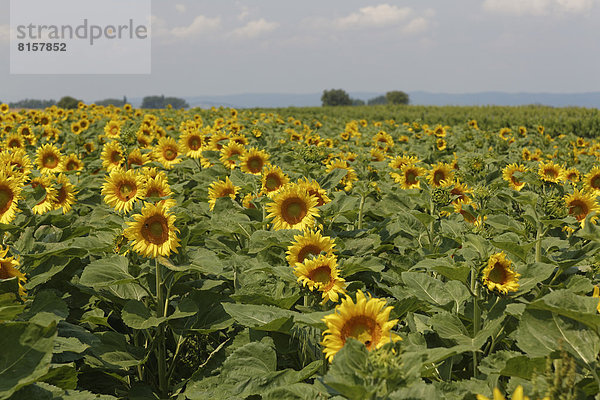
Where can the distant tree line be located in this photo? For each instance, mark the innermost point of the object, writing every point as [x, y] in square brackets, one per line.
[339, 97]
[162, 102]
[69, 102]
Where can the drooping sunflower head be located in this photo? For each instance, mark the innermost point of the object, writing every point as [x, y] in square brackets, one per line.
[508, 174]
[122, 189]
[377, 154]
[10, 193]
[400, 161]
[8, 270]
[293, 208]
[580, 205]
[65, 194]
[499, 275]
[253, 161]
[550, 172]
[366, 320]
[112, 156]
[72, 163]
[273, 179]
[220, 189]
[321, 273]
[591, 181]
[167, 152]
[218, 140]
[383, 141]
[440, 172]
[49, 159]
[311, 242]
[48, 196]
[231, 154]
[153, 232]
[314, 189]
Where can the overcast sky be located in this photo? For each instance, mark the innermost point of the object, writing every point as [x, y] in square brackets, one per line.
[283, 46]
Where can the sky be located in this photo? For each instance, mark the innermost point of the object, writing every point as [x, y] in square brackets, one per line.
[281, 46]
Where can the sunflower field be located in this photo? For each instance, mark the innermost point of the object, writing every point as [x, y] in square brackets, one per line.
[344, 253]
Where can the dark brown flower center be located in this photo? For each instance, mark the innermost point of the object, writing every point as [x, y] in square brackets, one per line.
[362, 328]
[294, 210]
[155, 229]
[498, 274]
[6, 198]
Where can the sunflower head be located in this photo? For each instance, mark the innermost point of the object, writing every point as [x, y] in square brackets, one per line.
[253, 161]
[49, 159]
[366, 320]
[167, 152]
[220, 189]
[10, 193]
[310, 243]
[499, 275]
[293, 208]
[153, 232]
[321, 273]
[112, 155]
[231, 154]
[122, 189]
[580, 205]
[273, 179]
[550, 172]
[508, 174]
[8, 270]
[440, 172]
[65, 194]
[591, 181]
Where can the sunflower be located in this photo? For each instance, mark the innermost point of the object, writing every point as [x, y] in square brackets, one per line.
[4, 108]
[75, 128]
[550, 172]
[89, 147]
[136, 157]
[367, 321]
[158, 187]
[505, 133]
[14, 141]
[459, 192]
[572, 175]
[65, 194]
[273, 180]
[508, 174]
[192, 143]
[383, 141]
[167, 151]
[112, 129]
[293, 208]
[440, 172]
[580, 205]
[591, 181]
[217, 140]
[112, 156]
[310, 242]
[499, 275]
[220, 189]
[122, 189]
[8, 270]
[400, 161]
[440, 144]
[349, 178]
[72, 163]
[47, 202]
[516, 395]
[144, 140]
[314, 189]
[153, 232]
[321, 273]
[408, 176]
[526, 154]
[49, 159]
[231, 154]
[18, 161]
[253, 161]
[10, 193]
[247, 201]
[377, 155]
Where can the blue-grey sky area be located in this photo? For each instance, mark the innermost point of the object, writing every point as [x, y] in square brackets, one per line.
[283, 46]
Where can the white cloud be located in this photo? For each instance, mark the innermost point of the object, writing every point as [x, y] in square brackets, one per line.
[199, 25]
[415, 26]
[180, 7]
[538, 7]
[380, 15]
[244, 13]
[255, 28]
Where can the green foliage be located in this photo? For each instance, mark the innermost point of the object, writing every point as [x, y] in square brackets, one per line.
[68, 102]
[335, 97]
[155, 102]
[397, 97]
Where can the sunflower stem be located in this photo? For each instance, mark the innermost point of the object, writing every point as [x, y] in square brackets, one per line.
[476, 316]
[161, 350]
[360, 210]
[538, 243]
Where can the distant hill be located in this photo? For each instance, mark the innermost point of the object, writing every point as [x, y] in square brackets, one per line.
[268, 100]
